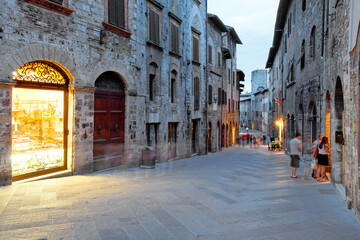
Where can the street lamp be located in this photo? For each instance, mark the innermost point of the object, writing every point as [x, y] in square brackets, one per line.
[280, 124]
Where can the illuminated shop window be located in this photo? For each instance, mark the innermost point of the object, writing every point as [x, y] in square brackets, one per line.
[38, 120]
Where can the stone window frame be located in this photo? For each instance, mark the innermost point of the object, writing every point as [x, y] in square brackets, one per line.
[196, 53]
[153, 81]
[155, 7]
[124, 31]
[176, 22]
[52, 6]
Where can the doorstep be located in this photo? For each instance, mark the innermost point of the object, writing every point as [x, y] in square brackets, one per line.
[64, 173]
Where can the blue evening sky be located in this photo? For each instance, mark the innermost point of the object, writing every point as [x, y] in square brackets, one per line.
[254, 22]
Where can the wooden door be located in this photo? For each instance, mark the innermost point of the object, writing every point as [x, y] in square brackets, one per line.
[109, 122]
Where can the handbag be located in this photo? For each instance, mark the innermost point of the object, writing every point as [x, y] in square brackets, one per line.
[316, 152]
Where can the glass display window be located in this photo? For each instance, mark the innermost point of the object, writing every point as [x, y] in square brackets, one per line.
[37, 130]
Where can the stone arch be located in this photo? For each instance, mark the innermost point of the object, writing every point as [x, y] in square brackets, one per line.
[300, 121]
[312, 41]
[173, 86]
[153, 81]
[113, 66]
[46, 52]
[110, 81]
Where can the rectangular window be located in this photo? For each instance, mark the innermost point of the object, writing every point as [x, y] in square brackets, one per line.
[229, 76]
[210, 54]
[219, 59]
[219, 96]
[174, 38]
[154, 26]
[196, 48]
[172, 90]
[117, 13]
[151, 87]
[210, 94]
[196, 93]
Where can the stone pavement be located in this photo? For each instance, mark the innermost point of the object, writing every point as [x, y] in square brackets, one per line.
[239, 193]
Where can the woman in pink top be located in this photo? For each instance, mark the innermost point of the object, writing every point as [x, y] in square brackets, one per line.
[323, 158]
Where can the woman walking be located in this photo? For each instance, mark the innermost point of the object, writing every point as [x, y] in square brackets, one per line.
[323, 158]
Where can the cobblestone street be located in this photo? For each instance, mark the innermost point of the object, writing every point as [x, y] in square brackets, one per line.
[234, 194]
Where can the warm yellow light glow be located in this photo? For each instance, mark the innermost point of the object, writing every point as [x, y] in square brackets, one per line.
[37, 130]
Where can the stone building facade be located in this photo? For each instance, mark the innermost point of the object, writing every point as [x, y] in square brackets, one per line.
[223, 85]
[296, 70]
[245, 109]
[125, 81]
[315, 71]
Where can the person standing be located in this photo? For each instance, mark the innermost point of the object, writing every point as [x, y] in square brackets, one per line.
[314, 146]
[258, 141]
[323, 158]
[295, 151]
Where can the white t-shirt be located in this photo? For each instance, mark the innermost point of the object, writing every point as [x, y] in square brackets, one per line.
[295, 144]
[324, 150]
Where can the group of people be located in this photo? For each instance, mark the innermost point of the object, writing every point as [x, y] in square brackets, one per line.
[320, 151]
[252, 139]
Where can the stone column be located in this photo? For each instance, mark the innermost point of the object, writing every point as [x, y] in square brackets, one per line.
[5, 132]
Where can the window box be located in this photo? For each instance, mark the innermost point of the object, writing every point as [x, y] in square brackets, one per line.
[51, 6]
[117, 30]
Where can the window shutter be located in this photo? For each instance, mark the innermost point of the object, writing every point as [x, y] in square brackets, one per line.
[210, 54]
[177, 40]
[157, 28]
[120, 13]
[60, 2]
[195, 49]
[152, 30]
[112, 12]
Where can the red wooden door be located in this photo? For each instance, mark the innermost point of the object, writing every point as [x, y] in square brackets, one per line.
[109, 123]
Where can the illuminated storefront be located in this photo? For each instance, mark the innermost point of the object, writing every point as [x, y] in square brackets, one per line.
[38, 120]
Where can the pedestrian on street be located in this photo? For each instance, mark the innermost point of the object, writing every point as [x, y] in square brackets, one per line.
[295, 151]
[323, 158]
[268, 141]
[243, 137]
[314, 146]
[258, 141]
[251, 140]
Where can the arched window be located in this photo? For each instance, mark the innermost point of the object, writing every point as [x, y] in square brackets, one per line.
[302, 55]
[152, 81]
[196, 93]
[312, 42]
[173, 86]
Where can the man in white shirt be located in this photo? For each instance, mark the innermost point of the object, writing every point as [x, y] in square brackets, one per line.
[295, 151]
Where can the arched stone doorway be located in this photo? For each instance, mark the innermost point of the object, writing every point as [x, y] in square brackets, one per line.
[109, 121]
[218, 136]
[39, 119]
[328, 126]
[338, 125]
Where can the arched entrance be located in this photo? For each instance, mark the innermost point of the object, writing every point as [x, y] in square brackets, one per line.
[218, 136]
[39, 119]
[328, 126]
[338, 124]
[109, 121]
